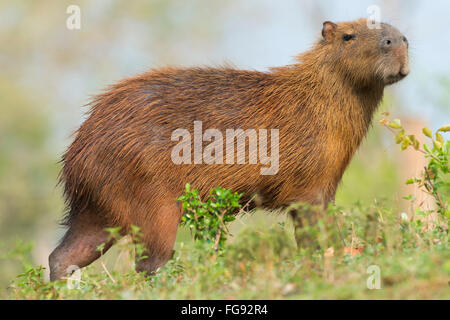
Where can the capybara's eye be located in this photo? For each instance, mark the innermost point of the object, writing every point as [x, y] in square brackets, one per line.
[348, 37]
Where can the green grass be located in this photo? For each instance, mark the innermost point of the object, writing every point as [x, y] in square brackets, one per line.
[261, 261]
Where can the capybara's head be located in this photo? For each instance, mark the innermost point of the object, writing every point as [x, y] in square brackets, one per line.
[365, 51]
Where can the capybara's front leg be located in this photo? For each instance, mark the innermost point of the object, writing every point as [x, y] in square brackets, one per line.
[79, 245]
[159, 235]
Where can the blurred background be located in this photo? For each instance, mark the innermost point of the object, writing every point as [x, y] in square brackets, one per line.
[48, 72]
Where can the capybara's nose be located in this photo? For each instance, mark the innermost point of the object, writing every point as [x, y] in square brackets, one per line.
[405, 41]
[397, 46]
[393, 42]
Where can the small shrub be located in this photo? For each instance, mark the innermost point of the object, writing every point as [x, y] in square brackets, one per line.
[208, 220]
[435, 178]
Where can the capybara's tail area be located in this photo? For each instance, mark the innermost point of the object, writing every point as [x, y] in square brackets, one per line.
[76, 194]
[92, 187]
[74, 207]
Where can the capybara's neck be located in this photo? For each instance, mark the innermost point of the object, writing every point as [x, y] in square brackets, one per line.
[328, 112]
[336, 105]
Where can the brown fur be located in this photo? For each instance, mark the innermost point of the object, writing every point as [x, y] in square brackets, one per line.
[119, 171]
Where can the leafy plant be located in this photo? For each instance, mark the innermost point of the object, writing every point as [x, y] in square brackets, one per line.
[208, 220]
[435, 178]
[137, 246]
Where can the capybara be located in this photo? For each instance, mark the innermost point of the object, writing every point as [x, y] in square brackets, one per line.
[120, 170]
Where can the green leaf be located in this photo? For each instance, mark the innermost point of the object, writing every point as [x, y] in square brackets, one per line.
[440, 138]
[400, 136]
[445, 129]
[396, 124]
[437, 145]
[427, 132]
[100, 248]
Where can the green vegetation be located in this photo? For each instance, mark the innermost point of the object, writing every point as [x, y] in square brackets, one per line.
[208, 220]
[263, 262]
[435, 179]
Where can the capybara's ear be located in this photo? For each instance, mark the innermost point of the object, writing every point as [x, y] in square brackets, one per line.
[328, 31]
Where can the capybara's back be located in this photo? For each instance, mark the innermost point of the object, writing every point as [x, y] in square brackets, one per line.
[286, 135]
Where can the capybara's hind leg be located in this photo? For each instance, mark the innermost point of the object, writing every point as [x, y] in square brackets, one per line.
[159, 235]
[79, 245]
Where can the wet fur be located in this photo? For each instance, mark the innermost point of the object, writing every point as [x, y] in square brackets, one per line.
[119, 169]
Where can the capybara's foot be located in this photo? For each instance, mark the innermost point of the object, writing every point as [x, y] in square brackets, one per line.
[78, 247]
